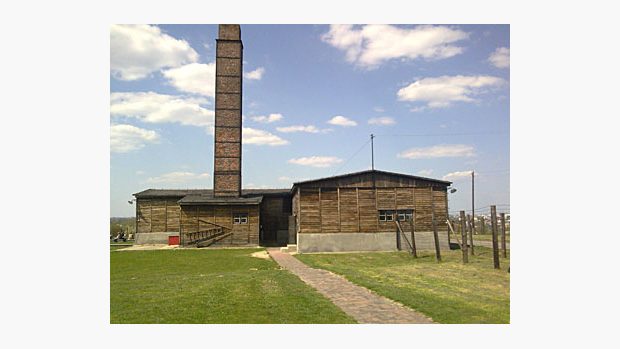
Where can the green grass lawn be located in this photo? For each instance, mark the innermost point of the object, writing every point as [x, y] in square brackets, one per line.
[211, 286]
[489, 237]
[449, 292]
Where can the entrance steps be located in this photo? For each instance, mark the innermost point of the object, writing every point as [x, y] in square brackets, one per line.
[289, 249]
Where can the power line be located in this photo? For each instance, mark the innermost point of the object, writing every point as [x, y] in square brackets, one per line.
[352, 156]
[445, 134]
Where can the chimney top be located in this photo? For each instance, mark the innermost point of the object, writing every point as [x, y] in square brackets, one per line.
[229, 32]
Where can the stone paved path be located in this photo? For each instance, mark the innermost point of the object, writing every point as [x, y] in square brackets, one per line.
[361, 304]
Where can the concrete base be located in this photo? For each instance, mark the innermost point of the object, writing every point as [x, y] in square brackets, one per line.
[343, 242]
[154, 238]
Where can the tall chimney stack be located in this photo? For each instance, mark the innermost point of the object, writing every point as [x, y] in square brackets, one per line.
[228, 87]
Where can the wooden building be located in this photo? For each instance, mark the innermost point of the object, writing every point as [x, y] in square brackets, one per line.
[355, 211]
[255, 217]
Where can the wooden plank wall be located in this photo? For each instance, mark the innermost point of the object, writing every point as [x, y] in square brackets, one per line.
[331, 210]
[348, 210]
[368, 217]
[309, 207]
[439, 201]
[194, 218]
[423, 209]
[144, 216]
[159, 215]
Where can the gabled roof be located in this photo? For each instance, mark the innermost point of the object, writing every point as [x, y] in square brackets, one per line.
[210, 200]
[159, 193]
[447, 183]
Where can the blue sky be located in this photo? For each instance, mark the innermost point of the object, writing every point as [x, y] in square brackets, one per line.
[437, 97]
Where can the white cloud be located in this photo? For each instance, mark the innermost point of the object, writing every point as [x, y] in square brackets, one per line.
[316, 161]
[126, 138]
[178, 177]
[340, 120]
[285, 179]
[138, 50]
[302, 128]
[298, 128]
[424, 173]
[500, 57]
[255, 74]
[267, 119]
[453, 176]
[193, 78]
[261, 137]
[378, 109]
[442, 91]
[438, 151]
[382, 121]
[370, 45]
[158, 108]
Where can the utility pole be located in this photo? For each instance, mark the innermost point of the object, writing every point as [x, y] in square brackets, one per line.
[372, 157]
[372, 150]
[473, 214]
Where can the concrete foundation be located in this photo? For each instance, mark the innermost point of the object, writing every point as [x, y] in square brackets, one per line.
[381, 241]
[154, 238]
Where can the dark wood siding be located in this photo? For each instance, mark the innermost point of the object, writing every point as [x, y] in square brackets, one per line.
[310, 216]
[348, 210]
[368, 210]
[423, 209]
[329, 211]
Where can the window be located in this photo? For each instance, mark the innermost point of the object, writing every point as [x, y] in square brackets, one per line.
[386, 216]
[240, 218]
[391, 215]
[405, 215]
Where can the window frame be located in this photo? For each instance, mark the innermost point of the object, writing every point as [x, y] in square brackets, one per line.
[407, 214]
[386, 215]
[241, 218]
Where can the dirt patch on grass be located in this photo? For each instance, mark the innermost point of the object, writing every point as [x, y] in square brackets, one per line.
[260, 254]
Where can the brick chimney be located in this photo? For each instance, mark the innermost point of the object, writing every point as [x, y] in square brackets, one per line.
[228, 87]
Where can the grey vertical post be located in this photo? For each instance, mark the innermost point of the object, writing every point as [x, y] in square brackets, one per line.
[463, 238]
[494, 232]
[435, 235]
[414, 251]
[471, 234]
[473, 215]
[502, 217]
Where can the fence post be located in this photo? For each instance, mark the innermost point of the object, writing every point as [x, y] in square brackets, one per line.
[502, 217]
[494, 232]
[437, 252]
[471, 234]
[464, 238]
[413, 248]
[398, 246]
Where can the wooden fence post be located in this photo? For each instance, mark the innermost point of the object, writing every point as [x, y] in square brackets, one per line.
[494, 232]
[398, 247]
[471, 234]
[435, 235]
[464, 238]
[414, 251]
[502, 217]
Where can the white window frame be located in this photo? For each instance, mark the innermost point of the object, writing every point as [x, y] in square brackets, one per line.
[240, 218]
